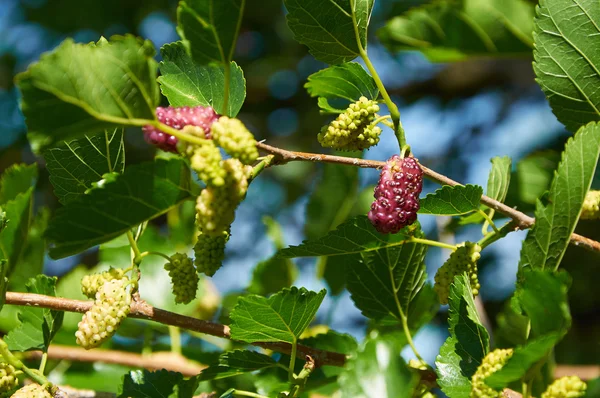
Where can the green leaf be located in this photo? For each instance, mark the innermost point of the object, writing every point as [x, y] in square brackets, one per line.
[159, 384]
[499, 178]
[523, 359]
[534, 176]
[547, 241]
[328, 28]
[142, 193]
[275, 273]
[513, 326]
[235, 363]
[324, 210]
[388, 279]
[32, 258]
[468, 343]
[14, 235]
[38, 325]
[452, 200]
[272, 275]
[186, 83]
[211, 28]
[279, 318]
[82, 89]
[566, 59]
[355, 235]
[17, 179]
[348, 82]
[377, 371]
[74, 166]
[543, 296]
[333, 269]
[449, 30]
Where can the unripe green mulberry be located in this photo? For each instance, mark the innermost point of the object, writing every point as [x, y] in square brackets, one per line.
[215, 207]
[111, 306]
[491, 363]
[566, 387]
[591, 206]
[91, 283]
[206, 160]
[209, 252]
[235, 139]
[32, 391]
[183, 277]
[352, 129]
[8, 379]
[463, 259]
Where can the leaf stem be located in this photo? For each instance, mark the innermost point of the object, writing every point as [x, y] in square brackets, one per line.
[43, 361]
[240, 393]
[432, 243]
[527, 386]
[394, 112]
[263, 164]
[33, 374]
[148, 253]
[497, 235]
[293, 354]
[175, 336]
[488, 220]
[137, 255]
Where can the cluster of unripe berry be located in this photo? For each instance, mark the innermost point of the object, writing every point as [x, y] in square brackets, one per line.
[226, 180]
[462, 260]
[352, 130]
[565, 387]
[112, 291]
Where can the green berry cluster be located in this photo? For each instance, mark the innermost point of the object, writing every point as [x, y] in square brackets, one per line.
[90, 284]
[352, 130]
[206, 160]
[32, 391]
[183, 277]
[111, 306]
[591, 206]
[463, 259]
[215, 207]
[8, 378]
[209, 252]
[566, 387]
[235, 139]
[491, 363]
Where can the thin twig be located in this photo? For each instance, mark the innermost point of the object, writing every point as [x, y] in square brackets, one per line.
[155, 361]
[143, 310]
[521, 220]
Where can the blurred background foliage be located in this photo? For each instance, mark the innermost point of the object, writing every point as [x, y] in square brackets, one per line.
[457, 116]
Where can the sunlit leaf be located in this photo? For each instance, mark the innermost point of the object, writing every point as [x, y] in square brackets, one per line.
[547, 241]
[567, 59]
[186, 83]
[327, 28]
[452, 200]
[82, 89]
[279, 318]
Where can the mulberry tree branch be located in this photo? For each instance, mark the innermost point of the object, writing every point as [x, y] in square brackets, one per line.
[520, 220]
[143, 310]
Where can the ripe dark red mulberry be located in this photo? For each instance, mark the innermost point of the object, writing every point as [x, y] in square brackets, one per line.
[178, 118]
[397, 195]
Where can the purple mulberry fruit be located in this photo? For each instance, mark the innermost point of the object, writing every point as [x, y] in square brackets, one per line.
[396, 195]
[178, 118]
